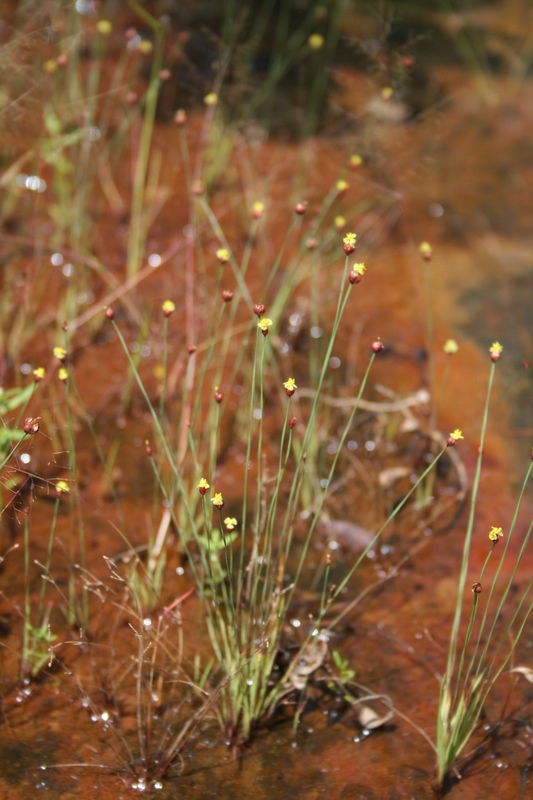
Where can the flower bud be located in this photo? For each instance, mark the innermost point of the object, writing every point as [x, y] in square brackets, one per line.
[191, 349]
[131, 98]
[31, 425]
[180, 117]
[197, 188]
[377, 346]
[110, 314]
[227, 295]
[164, 75]
[218, 395]
[354, 277]
[148, 449]
[311, 243]
[476, 587]
[408, 62]
[292, 423]
[259, 309]
[300, 208]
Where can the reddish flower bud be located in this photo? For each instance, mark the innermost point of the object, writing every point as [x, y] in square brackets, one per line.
[495, 356]
[408, 62]
[164, 75]
[300, 208]
[197, 188]
[110, 314]
[218, 395]
[476, 587]
[130, 34]
[450, 441]
[328, 559]
[526, 364]
[311, 243]
[264, 331]
[180, 118]
[348, 248]
[377, 346]
[148, 449]
[62, 60]
[259, 309]
[227, 296]
[191, 349]
[131, 98]
[64, 326]
[292, 423]
[31, 425]
[354, 277]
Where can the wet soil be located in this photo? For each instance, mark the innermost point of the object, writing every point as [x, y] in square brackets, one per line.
[460, 176]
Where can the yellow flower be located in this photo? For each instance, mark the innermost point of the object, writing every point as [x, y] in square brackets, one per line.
[39, 373]
[168, 307]
[450, 346]
[159, 371]
[360, 268]
[211, 99]
[62, 487]
[218, 500]
[425, 250]
[494, 533]
[340, 222]
[60, 353]
[387, 93]
[290, 385]
[223, 255]
[62, 374]
[315, 41]
[350, 239]
[257, 209]
[342, 186]
[104, 27]
[230, 523]
[496, 348]
[355, 160]
[456, 435]
[145, 47]
[203, 484]
[50, 65]
[264, 323]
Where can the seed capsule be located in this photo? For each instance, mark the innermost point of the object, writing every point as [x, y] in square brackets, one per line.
[476, 588]
[31, 425]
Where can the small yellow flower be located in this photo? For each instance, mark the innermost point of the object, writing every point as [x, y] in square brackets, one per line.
[264, 323]
[290, 386]
[104, 27]
[62, 374]
[350, 239]
[315, 41]
[218, 500]
[360, 268]
[159, 371]
[39, 373]
[494, 533]
[168, 307]
[387, 92]
[230, 523]
[355, 160]
[340, 222]
[450, 346]
[496, 348]
[211, 99]
[456, 435]
[425, 250]
[257, 209]
[342, 186]
[203, 484]
[62, 487]
[50, 66]
[60, 353]
[223, 255]
[145, 47]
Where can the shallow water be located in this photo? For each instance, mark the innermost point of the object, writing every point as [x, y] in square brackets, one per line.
[460, 176]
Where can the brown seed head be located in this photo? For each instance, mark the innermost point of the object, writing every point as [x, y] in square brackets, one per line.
[259, 309]
[476, 587]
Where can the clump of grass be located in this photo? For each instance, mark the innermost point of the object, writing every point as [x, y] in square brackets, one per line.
[477, 658]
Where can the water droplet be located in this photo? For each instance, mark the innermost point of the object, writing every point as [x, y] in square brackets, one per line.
[25, 458]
